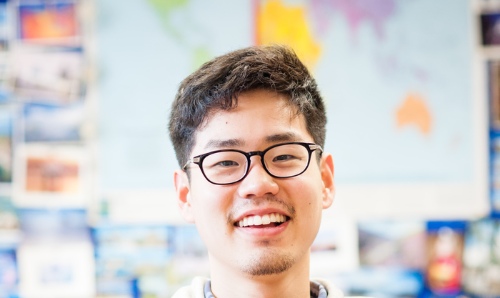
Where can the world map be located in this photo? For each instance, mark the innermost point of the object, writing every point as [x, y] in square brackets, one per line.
[397, 88]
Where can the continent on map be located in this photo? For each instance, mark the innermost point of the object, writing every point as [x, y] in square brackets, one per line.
[414, 112]
[187, 33]
[286, 24]
[374, 13]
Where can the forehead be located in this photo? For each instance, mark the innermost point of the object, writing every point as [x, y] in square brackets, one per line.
[258, 116]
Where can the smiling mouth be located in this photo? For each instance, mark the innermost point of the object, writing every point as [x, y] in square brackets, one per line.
[267, 220]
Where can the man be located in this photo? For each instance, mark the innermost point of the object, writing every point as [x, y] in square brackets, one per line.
[248, 130]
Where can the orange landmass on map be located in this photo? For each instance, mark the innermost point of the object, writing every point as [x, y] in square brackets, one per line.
[278, 23]
[414, 112]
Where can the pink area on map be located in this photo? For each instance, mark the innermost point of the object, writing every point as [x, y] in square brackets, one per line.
[356, 12]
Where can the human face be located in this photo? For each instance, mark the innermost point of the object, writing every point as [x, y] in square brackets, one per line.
[260, 120]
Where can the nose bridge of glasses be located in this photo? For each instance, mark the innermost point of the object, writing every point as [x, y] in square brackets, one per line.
[254, 153]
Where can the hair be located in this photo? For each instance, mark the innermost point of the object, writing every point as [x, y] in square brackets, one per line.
[217, 84]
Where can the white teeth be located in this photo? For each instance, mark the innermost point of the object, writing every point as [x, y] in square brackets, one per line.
[257, 220]
[266, 220]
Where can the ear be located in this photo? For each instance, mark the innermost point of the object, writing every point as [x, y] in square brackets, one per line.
[181, 183]
[327, 174]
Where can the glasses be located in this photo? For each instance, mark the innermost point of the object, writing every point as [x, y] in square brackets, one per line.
[230, 166]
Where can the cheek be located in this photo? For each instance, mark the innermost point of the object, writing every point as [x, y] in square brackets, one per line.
[310, 195]
[210, 202]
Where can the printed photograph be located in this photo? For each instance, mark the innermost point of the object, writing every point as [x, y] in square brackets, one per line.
[392, 244]
[48, 123]
[51, 175]
[8, 272]
[5, 86]
[481, 260]
[67, 273]
[382, 282]
[127, 254]
[445, 243]
[5, 27]
[9, 221]
[490, 28]
[48, 77]
[49, 22]
[494, 93]
[67, 224]
[495, 173]
[5, 145]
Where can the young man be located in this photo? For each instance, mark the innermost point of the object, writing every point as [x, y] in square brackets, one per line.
[248, 130]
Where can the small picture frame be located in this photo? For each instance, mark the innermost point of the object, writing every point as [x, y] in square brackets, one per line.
[54, 176]
[53, 123]
[5, 27]
[395, 244]
[490, 28]
[445, 245]
[56, 268]
[48, 22]
[54, 77]
[6, 144]
[493, 68]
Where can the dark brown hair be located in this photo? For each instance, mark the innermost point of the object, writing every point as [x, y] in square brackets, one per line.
[217, 84]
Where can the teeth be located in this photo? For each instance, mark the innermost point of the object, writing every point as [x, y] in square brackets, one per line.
[257, 220]
[266, 219]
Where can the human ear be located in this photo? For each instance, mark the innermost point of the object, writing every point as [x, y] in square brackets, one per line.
[327, 174]
[181, 183]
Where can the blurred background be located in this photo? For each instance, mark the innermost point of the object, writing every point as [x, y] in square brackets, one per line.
[412, 88]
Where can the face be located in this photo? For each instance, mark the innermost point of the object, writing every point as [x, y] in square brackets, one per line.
[222, 212]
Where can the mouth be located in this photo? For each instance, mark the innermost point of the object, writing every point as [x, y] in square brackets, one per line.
[262, 221]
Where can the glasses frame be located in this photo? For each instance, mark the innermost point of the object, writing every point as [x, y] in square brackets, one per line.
[311, 147]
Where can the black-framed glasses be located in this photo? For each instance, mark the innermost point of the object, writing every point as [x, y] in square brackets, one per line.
[229, 166]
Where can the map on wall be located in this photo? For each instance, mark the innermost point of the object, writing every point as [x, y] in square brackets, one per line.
[398, 88]
[396, 76]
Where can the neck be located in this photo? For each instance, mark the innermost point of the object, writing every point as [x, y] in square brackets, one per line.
[231, 282]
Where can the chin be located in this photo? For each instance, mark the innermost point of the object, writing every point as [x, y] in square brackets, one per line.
[269, 263]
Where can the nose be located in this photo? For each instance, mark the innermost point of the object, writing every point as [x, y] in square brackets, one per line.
[258, 182]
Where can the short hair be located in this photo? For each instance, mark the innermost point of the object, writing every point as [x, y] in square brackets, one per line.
[217, 84]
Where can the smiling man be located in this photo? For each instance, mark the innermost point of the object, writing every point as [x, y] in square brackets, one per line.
[248, 129]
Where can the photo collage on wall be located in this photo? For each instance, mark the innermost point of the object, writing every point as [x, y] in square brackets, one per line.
[48, 244]
[44, 79]
[45, 154]
[419, 258]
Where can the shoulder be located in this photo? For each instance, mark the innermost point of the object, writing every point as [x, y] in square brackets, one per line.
[194, 290]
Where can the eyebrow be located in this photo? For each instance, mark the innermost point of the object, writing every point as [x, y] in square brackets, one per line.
[275, 138]
[216, 144]
[283, 137]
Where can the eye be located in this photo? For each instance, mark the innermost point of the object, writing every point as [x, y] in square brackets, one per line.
[284, 157]
[226, 163]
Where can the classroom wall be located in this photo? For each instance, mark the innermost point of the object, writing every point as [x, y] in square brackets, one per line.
[87, 206]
